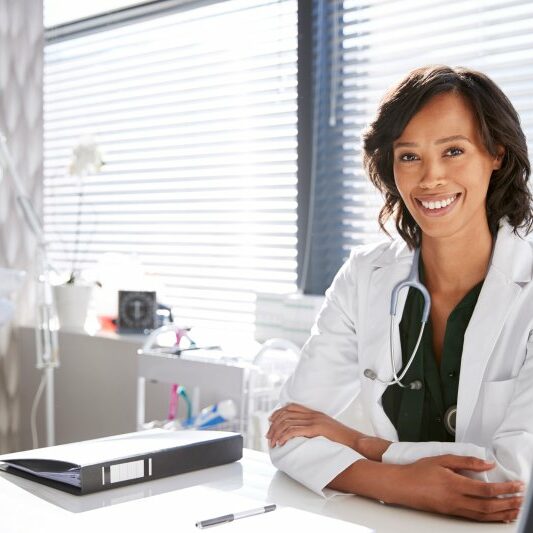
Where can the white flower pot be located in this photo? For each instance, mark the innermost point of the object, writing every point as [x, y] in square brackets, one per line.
[72, 302]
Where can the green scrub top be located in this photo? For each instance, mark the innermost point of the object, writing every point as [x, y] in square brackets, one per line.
[418, 415]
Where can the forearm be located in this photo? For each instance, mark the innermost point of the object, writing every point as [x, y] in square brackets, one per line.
[434, 484]
[505, 454]
[372, 448]
[348, 436]
[369, 478]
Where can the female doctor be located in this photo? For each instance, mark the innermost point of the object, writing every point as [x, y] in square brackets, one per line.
[454, 428]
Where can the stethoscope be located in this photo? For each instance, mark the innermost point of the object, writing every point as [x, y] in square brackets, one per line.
[412, 280]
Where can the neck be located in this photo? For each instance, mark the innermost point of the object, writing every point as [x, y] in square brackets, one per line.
[456, 263]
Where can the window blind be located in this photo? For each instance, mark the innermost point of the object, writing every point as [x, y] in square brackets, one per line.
[361, 48]
[195, 112]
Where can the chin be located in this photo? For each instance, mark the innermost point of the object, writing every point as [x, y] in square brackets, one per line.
[437, 233]
[440, 229]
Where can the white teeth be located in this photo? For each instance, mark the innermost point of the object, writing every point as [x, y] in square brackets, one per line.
[439, 204]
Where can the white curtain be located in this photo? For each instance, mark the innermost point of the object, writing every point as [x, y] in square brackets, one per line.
[21, 114]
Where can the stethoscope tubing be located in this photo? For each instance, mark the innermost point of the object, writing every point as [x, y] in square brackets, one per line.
[414, 282]
[397, 379]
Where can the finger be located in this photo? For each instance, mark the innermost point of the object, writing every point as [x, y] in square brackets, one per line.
[493, 505]
[281, 423]
[274, 432]
[473, 487]
[287, 416]
[279, 428]
[298, 408]
[295, 431]
[290, 407]
[460, 462]
[502, 516]
[278, 415]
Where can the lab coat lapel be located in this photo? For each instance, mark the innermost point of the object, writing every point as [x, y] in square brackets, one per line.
[511, 264]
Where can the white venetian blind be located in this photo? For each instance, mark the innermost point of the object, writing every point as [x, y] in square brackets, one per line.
[195, 111]
[370, 45]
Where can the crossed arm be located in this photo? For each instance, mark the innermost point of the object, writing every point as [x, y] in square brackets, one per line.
[434, 484]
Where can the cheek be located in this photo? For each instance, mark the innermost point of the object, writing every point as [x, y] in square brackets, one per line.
[476, 179]
[402, 184]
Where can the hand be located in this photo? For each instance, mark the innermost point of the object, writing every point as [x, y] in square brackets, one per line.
[436, 484]
[295, 420]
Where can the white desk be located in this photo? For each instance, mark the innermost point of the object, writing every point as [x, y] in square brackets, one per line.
[155, 506]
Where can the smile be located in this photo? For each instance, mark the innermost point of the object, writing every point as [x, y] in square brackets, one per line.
[438, 207]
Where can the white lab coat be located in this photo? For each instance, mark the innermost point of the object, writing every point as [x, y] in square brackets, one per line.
[351, 334]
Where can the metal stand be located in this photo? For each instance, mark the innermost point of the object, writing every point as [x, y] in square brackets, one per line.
[47, 352]
[46, 341]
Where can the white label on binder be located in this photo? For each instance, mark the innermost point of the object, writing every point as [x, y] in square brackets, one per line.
[125, 471]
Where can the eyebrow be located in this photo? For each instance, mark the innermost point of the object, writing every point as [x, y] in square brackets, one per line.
[438, 141]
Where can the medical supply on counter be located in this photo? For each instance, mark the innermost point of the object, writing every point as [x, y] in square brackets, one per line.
[209, 418]
[213, 415]
[176, 391]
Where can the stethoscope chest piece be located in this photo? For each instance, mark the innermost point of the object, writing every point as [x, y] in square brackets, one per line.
[450, 417]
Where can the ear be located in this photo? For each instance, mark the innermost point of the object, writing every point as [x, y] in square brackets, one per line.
[498, 160]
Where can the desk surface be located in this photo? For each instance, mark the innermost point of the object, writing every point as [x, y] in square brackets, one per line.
[28, 506]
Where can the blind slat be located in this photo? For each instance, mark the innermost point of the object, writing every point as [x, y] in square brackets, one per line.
[198, 134]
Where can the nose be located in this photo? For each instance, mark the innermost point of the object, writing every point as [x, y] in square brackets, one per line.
[433, 174]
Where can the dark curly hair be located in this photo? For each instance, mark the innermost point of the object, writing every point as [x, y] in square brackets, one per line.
[508, 194]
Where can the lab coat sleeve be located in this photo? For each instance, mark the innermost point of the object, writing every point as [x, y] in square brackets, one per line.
[326, 379]
[512, 445]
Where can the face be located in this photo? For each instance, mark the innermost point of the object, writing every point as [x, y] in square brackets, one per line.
[442, 169]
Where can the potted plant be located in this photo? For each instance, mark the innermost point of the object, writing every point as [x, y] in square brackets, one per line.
[74, 295]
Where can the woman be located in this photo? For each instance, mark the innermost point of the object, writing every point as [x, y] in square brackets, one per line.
[447, 151]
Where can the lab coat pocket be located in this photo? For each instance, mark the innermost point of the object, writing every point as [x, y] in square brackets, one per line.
[494, 400]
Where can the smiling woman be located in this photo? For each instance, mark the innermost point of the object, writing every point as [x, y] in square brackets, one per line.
[454, 427]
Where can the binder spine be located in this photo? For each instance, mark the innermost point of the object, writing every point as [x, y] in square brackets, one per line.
[179, 460]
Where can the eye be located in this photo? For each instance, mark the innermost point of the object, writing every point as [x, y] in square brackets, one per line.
[408, 157]
[454, 151]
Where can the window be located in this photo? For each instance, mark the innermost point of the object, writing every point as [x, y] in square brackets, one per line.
[195, 112]
[361, 48]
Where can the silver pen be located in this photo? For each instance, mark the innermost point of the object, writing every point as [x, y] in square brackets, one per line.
[235, 516]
